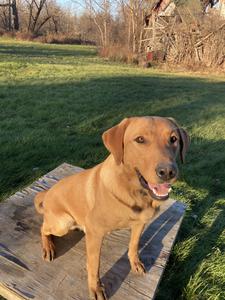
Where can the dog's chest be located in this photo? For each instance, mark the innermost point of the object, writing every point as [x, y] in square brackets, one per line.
[144, 208]
[143, 216]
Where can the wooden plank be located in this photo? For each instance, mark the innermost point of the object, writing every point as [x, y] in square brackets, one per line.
[24, 275]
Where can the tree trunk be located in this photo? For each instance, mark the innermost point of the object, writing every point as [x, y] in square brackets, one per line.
[105, 33]
[30, 15]
[133, 32]
[15, 16]
[43, 23]
[100, 30]
[41, 5]
[10, 16]
[55, 24]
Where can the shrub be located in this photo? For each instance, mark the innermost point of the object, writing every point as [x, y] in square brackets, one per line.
[119, 53]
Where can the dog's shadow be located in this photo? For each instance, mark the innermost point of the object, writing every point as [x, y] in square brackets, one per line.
[150, 246]
[65, 243]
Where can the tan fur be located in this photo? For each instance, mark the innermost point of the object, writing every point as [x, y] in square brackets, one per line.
[38, 202]
[109, 196]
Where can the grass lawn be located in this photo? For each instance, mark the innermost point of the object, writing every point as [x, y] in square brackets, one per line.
[55, 102]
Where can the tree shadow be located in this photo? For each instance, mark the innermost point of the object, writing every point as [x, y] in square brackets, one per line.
[182, 272]
[44, 125]
[45, 118]
[44, 51]
[208, 172]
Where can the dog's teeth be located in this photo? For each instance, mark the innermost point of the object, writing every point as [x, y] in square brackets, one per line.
[154, 190]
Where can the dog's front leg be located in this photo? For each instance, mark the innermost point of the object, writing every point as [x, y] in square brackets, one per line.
[136, 265]
[93, 245]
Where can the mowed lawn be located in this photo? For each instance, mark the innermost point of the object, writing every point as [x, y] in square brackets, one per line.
[56, 101]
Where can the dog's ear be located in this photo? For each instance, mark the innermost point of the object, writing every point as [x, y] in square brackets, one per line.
[184, 139]
[184, 143]
[113, 140]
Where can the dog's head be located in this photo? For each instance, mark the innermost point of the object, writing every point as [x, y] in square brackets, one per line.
[148, 146]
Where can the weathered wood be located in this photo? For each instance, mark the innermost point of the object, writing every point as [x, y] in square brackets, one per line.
[24, 275]
[209, 35]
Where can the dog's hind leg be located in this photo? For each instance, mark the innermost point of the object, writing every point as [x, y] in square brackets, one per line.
[54, 225]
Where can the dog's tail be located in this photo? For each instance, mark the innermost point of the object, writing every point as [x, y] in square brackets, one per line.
[38, 202]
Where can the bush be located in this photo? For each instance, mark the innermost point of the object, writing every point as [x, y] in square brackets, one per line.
[27, 36]
[198, 45]
[119, 53]
[61, 38]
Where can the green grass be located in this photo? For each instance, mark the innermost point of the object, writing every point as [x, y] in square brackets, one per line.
[55, 102]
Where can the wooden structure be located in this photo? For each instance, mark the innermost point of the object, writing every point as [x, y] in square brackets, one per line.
[158, 23]
[158, 30]
[24, 275]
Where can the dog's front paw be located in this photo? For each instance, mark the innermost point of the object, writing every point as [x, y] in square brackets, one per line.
[49, 251]
[137, 266]
[98, 293]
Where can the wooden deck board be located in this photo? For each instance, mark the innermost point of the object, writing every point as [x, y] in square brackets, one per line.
[24, 275]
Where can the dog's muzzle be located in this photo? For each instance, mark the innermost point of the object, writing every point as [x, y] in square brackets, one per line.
[158, 191]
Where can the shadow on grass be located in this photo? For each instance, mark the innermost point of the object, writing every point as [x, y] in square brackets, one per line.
[183, 271]
[205, 173]
[46, 51]
[47, 124]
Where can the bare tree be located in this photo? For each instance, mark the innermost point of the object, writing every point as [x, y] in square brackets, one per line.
[99, 10]
[38, 15]
[134, 12]
[10, 19]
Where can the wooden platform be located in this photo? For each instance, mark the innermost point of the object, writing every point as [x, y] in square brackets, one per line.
[24, 275]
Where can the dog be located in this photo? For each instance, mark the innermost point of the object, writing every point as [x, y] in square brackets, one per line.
[123, 191]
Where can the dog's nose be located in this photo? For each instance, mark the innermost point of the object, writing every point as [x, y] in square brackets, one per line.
[166, 172]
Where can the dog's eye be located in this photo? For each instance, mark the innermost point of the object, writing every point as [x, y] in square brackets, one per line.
[140, 139]
[173, 139]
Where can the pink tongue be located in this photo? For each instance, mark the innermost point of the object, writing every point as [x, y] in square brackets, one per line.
[161, 189]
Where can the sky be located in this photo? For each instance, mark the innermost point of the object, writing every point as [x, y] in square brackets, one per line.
[72, 5]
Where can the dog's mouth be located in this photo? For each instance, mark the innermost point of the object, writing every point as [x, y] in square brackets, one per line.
[157, 191]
